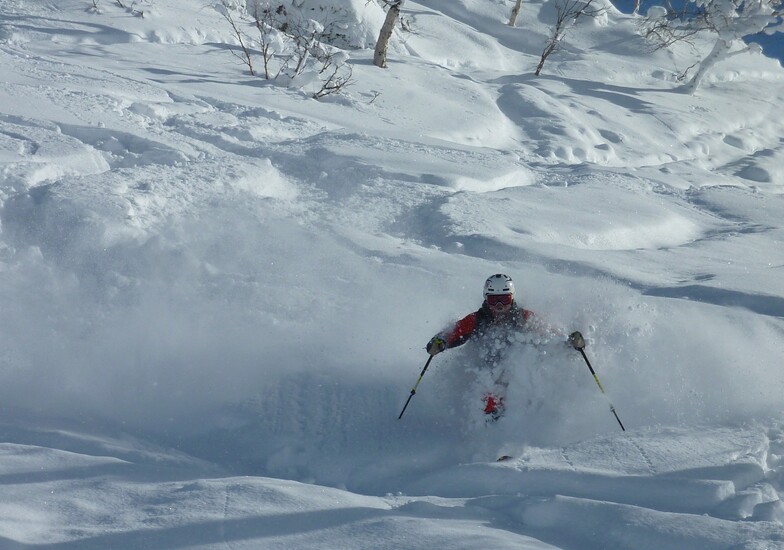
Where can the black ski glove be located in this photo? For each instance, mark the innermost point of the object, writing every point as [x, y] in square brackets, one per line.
[436, 345]
[576, 340]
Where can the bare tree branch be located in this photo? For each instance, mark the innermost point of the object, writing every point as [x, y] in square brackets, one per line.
[246, 57]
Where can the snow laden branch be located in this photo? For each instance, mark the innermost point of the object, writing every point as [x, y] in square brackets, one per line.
[727, 22]
[567, 14]
[132, 9]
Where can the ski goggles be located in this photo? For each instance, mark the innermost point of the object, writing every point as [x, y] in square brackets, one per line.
[499, 299]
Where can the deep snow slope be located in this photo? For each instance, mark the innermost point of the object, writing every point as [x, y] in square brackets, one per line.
[216, 290]
[663, 488]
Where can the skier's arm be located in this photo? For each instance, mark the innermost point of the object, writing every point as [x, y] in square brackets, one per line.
[456, 335]
[461, 331]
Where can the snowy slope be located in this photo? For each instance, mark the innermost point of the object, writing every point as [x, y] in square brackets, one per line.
[215, 291]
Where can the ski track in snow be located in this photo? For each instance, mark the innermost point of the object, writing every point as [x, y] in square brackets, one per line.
[152, 217]
[643, 454]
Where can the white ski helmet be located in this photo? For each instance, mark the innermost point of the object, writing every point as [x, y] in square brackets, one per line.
[499, 284]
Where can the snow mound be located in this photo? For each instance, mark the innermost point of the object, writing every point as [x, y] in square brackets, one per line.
[668, 490]
[615, 219]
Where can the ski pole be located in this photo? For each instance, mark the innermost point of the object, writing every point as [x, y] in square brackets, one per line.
[413, 391]
[578, 343]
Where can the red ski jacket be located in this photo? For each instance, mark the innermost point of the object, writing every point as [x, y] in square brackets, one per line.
[516, 318]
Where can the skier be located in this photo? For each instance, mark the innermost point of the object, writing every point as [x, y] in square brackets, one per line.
[494, 325]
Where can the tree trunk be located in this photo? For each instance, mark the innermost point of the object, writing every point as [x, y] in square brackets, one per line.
[515, 13]
[545, 54]
[720, 50]
[380, 55]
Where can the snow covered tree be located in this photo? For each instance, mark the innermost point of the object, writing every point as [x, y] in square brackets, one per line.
[729, 21]
[393, 13]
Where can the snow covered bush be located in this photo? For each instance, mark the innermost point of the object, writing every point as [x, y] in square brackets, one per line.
[130, 7]
[726, 22]
[294, 51]
[346, 23]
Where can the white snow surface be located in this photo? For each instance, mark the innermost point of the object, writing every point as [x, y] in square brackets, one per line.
[215, 292]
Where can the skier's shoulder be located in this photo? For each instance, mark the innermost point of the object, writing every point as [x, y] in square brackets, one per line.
[483, 314]
[523, 314]
[461, 330]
